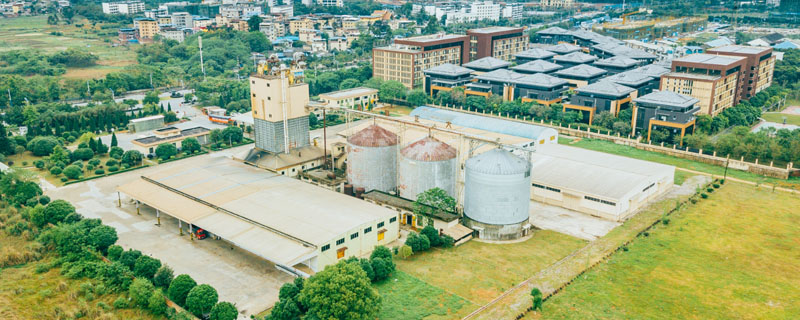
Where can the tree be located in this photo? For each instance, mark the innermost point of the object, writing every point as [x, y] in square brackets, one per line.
[201, 299]
[253, 23]
[114, 252]
[349, 84]
[374, 83]
[381, 268]
[116, 153]
[432, 26]
[341, 291]
[536, 296]
[286, 309]
[56, 211]
[102, 236]
[391, 90]
[132, 157]
[113, 140]
[224, 311]
[190, 145]
[42, 146]
[101, 148]
[166, 150]
[433, 235]
[6, 147]
[146, 267]
[257, 41]
[151, 98]
[157, 304]
[418, 242]
[163, 277]
[116, 276]
[232, 134]
[179, 288]
[83, 154]
[288, 290]
[128, 258]
[434, 201]
[417, 97]
[72, 171]
[140, 291]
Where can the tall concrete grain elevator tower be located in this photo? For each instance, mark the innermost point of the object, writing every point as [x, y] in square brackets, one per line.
[279, 115]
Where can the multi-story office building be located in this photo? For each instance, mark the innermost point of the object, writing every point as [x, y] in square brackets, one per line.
[537, 66]
[712, 79]
[581, 75]
[600, 96]
[148, 27]
[642, 83]
[499, 42]
[405, 60]
[445, 77]
[123, 7]
[563, 48]
[664, 109]
[541, 88]
[617, 64]
[651, 29]
[758, 67]
[553, 35]
[533, 54]
[487, 64]
[574, 59]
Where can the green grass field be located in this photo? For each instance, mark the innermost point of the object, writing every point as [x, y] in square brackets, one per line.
[613, 148]
[491, 268]
[406, 297]
[35, 33]
[777, 117]
[733, 256]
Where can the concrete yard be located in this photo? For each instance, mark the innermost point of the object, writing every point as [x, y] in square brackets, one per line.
[569, 222]
[241, 278]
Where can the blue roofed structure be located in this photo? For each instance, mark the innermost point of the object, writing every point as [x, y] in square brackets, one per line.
[539, 134]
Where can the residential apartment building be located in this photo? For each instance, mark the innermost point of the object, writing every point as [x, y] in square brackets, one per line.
[297, 24]
[182, 20]
[498, 42]
[272, 30]
[758, 68]
[331, 3]
[123, 7]
[557, 3]
[405, 60]
[712, 79]
[202, 22]
[338, 43]
[148, 27]
[173, 33]
[355, 98]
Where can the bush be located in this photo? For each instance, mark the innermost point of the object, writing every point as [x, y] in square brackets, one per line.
[38, 164]
[710, 189]
[116, 276]
[113, 169]
[190, 145]
[716, 186]
[179, 288]
[116, 153]
[166, 150]
[448, 241]
[82, 154]
[201, 299]
[72, 171]
[54, 212]
[405, 251]
[99, 171]
[224, 311]
[102, 236]
[665, 221]
[44, 200]
[163, 277]
[704, 195]
[55, 170]
[382, 269]
[111, 162]
[94, 162]
[433, 235]
[64, 179]
[418, 242]
[121, 303]
[132, 157]
[146, 267]
[114, 252]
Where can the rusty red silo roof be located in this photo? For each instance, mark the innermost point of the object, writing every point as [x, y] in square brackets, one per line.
[373, 136]
[429, 149]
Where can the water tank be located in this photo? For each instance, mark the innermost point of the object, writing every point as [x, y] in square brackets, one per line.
[426, 164]
[497, 190]
[372, 159]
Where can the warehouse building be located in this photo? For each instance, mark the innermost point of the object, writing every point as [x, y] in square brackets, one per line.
[299, 227]
[171, 135]
[599, 184]
[146, 123]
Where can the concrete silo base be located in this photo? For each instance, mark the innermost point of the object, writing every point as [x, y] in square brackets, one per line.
[499, 231]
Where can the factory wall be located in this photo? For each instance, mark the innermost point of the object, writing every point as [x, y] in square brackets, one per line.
[359, 246]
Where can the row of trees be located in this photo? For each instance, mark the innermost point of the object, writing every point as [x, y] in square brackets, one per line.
[34, 62]
[81, 244]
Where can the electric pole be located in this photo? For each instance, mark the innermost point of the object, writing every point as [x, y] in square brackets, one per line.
[202, 66]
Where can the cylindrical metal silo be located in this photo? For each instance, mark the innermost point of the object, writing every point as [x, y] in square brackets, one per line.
[372, 159]
[497, 195]
[426, 164]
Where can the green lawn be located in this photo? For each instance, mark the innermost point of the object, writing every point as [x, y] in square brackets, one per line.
[490, 268]
[34, 33]
[613, 148]
[733, 256]
[406, 297]
[777, 117]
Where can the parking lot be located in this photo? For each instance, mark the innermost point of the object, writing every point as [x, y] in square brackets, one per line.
[239, 277]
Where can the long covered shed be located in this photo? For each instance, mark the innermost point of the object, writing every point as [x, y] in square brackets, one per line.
[283, 220]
